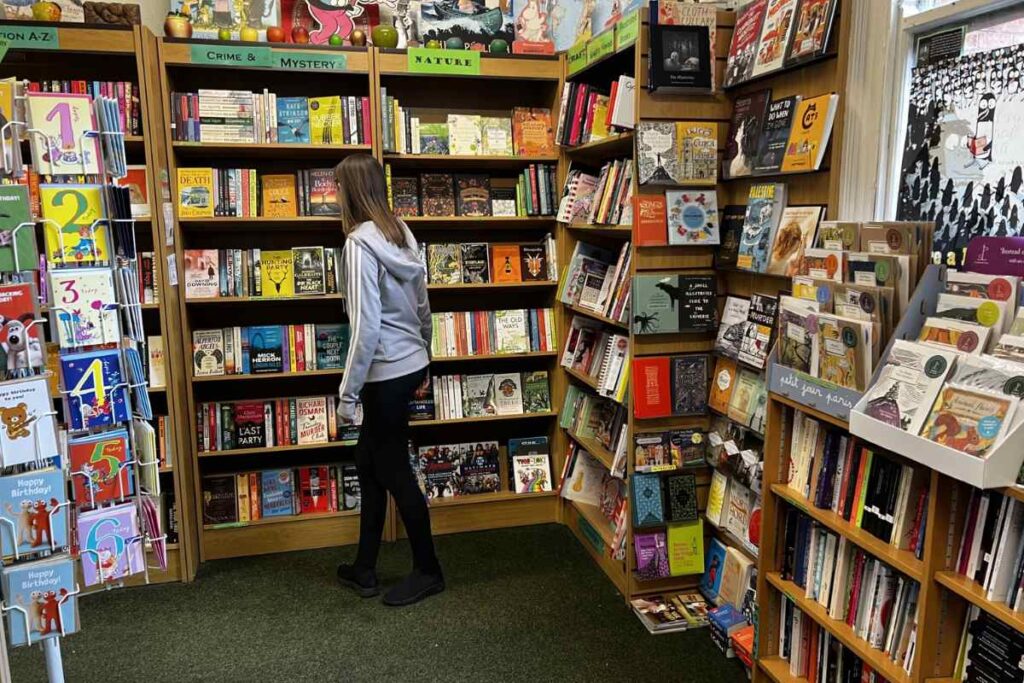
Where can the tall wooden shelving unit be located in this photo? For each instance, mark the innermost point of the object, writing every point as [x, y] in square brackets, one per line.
[105, 53]
[504, 82]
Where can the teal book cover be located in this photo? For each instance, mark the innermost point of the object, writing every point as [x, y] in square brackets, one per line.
[647, 501]
[276, 494]
[655, 304]
[331, 346]
[292, 120]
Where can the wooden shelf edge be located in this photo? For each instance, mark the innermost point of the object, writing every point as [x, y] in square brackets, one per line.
[484, 498]
[482, 418]
[597, 520]
[597, 450]
[271, 449]
[474, 286]
[268, 375]
[777, 669]
[263, 299]
[973, 593]
[493, 356]
[901, 560]
[812, 412]
[284, 519]
[596, 316]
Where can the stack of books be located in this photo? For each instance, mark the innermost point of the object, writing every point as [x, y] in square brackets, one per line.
[597, 281]
[604, 199]
[482, 262]
[302, 421]
[531, 193]
[598, 355]
[455, 397]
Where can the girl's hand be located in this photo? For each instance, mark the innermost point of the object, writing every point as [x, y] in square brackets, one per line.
[346, 414]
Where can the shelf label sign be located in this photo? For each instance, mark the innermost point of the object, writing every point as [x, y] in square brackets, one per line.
[577, 56]
[601, 46]
[30, 37]
[425, 60]
[627, 30]
[227, 55]
[310, 61]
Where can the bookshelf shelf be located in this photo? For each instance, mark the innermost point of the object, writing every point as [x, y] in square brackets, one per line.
[901, 560]
[263, 299]
[480, 498]
[493, 357]
[477, 286]
[332, 372]
[195, 150]
[816, 414]
[597, 316]
[777, 669]
[618, 231]
[973, 593]
[614, 569]
[285, 519]
[177, 53]
[596, 519]
[395, 62]
[731, 539]
[270, 449]
[434, 161]
[876, 659]
[586, 380]
[594, 447]
[828, 56]
[297, 532]
[475, 222]
[483, 418]
[264, 222]
[619, 145]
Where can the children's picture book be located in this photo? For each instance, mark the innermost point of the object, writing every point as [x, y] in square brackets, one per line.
[28, 431]
[531, 467]
[45, 591]
[795, 235]
[60, 144]
[764, 210]
[110, 543]
[308, 270]
[18, 248]
[969, 420]
[74, 224]
[97, 389]
[99, 469]
[277, 273]
[21, 345]
[33, 505]
[85, 307]
[692, 217]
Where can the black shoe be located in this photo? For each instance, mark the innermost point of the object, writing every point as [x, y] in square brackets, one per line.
[362, 581]
[414, 588]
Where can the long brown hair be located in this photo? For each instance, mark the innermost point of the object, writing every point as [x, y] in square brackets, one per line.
[363, 196]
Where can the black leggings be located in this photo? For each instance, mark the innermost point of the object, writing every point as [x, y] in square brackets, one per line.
[382, 461]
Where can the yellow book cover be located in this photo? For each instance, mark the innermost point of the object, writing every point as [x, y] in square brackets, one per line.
[279, 200]
[325, 121]
[599, 129]
[716, 497]
[71, 232]
[195, 193]
[697, 150]
[686, 548]
[807, 136]
[277, 274]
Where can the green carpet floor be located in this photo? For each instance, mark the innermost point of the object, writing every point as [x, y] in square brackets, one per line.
[522, 604]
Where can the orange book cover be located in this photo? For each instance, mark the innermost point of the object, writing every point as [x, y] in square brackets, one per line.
[650, 220]
[505, 263]
[532, 134]
[279, 199]
[722, 382]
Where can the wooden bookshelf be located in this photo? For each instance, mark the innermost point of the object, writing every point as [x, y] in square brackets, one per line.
[488, 357]
[594, 447]
[586, 312]
[333, 372]
[271, 450]
[973, 593]
[483, 286]
[277, 150]
[269, 300]
[474, 222]
[483, 161]
[483, 418]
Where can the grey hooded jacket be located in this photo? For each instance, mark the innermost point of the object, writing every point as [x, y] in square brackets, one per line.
[388, 310]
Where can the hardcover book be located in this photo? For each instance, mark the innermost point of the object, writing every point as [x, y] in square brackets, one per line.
[510, 331]
[534, 262]
[75, 230]
[440, 467]
[266, 349]
[650, 227]
[764, 210]
[655, 303]
[744, 134]
[314, 495]
[697, 152]
[207, 353]
[680, 58]
[292, 120]
[444, 264]
[714, 564]
[795, 235]
[277, 273]
[775, 31]
[722, 384]
[18, 249]
[322, 188]
[278, 196]
[45, 590]
[220, 502]
[98, 468]
[532, 133]
[308, 270]
[531, 467]
[473, 195]
[647, 499]
[331, 345]
[690, 384]
[506, 263]
[686, 548]
[757, 338]
[812, 27]
[812, 127]
[733, 327]
[657, 158]
[739, 64]
[652, 396]
[508, 394]
[479, 468]
[97, 389]
[31, 504]
[496, 136]
[405, 196]
[311, 419]
[195, 193]
[536, 392]
[775, 134]
[692, 217]
[464, 134]
[437, 194]
[681, 497]
[110, 544]
[731, 234]
[251, 428]
[653, 452]
[202, 268]
[478, 395]
[434, 138]
[651, 555]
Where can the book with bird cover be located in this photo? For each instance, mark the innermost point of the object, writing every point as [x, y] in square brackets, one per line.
[277, 273]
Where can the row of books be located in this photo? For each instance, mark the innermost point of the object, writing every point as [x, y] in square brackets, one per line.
[589, 114]
[597, 281]
[733, 507]
[125, 93]
[669, 449]
[877, 602]
[661, 553]
[667, 386]
[669, 303]
[598, 355]
[530, 193]
[247, 193]
[677, 153]
[451, 470]
[482, 262]
[604, 199]
[247, 497]
[295, 421]
[987, 649]
[598, 418]
[763, 139]
[736, 452]
[739, 393]
[747, 329]
[730, 576]
[259, 349]
[990, 547]
[513, 393]
[770, 35]
[591, 487]
[815, 655]
[508, 331]
[243, 116]
[865, 487]
[299, 271]
[526, 133]
[658, 499]
[671, 612]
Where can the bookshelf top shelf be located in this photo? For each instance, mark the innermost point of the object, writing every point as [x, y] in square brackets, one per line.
[482, 418]
[252, 150]
[436, 161]
[509, 67]
[311, 59]
[33, 36]
[475, 222]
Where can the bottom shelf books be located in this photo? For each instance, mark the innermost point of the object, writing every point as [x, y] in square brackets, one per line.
[814, 654]
[247, 497]
[873, 599]
[465, 469]
[671, 612]
[41, 599]
[988, 649]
